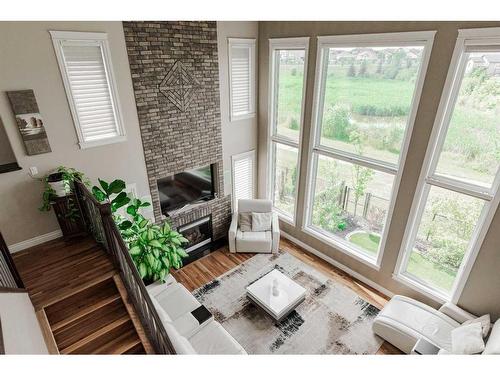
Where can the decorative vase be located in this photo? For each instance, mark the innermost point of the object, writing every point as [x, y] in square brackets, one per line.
[276, 291]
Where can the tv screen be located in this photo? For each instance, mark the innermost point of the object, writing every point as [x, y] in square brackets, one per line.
[187, 187]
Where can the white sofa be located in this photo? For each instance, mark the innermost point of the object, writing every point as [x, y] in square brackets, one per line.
[254, 242]
[174, 304]
[403, 321]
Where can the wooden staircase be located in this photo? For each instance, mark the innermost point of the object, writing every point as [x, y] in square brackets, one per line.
[81, 303]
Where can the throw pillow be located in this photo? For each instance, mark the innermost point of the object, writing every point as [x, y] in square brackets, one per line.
[245, 221]
[493, 344]
[467, 339]
[261, 222]
[485, 323]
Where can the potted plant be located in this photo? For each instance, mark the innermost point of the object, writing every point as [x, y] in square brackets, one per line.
[155, 249]
[60, 183]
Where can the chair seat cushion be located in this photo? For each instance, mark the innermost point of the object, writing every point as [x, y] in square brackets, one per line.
[403, 321]
[255, 242]
[214, 339]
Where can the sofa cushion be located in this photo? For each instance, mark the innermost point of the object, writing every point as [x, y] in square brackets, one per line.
[485, 323]
[176, 300]
[180, 343]
[214, 339]
[256, 242]
[161, 313]
[467, 339]
[245, 221]
[261, 221]
[493, 343]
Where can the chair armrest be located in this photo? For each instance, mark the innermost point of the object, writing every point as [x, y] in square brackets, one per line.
[275, 228]
[232, 233]
[456, 313]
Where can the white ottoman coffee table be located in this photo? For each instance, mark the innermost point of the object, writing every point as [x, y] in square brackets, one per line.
[289, 294]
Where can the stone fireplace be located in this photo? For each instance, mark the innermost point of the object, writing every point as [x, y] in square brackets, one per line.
[175, 76]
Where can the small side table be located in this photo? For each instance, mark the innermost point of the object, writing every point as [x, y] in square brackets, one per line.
[71, 226]
[424, 347]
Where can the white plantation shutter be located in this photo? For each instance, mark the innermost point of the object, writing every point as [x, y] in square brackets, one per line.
[243, 176]
[242, 77]
[89, 87]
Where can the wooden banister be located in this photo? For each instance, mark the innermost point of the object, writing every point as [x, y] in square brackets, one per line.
[99, 221]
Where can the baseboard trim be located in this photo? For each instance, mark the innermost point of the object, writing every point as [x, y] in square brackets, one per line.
[337, 264]
[35, 241]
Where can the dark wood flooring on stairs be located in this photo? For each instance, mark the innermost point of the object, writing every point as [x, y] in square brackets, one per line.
[79, 299]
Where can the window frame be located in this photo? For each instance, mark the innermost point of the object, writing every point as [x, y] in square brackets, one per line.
[93, 39]
[467, 38]
[420, 38]
[252, 154]
[249, 43]
[275, 44]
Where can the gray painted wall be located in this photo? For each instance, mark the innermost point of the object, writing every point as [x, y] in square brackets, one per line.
[28, 62]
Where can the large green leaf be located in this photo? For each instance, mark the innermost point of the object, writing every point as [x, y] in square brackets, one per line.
[116, 187]
[136, 250]
[155, 243]
[142, 270]
[98, 194]
[132, 210]
[124, 225]
[104, 185]
[182, 252]
[119, 201]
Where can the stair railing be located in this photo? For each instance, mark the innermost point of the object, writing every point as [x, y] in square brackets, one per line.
[99, 221]
[9, 277]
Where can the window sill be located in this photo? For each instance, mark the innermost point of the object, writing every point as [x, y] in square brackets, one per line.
[342, 247]
[102, 142]
[421, 288]
[233, 118]
[284, 217]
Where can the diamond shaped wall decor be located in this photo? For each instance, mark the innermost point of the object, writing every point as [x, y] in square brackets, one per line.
[179, 86]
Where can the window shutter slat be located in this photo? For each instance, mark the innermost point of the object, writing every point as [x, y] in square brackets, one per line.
[243, 183]
[90, 90]
[241, 78]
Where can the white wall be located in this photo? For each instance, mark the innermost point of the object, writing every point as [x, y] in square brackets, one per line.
[20, 329]
[27, 61]
[241, 135]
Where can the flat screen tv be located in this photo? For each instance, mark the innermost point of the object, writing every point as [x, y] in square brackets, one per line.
[192, 186]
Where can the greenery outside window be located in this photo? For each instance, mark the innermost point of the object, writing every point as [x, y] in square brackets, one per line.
[367, 92]
[457, 194]
[287, 79]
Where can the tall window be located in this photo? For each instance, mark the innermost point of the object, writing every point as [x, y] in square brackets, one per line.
[85, 65]
[457, 193]
[242, 78]
[287, 88]
[243, 176]
[367, 93]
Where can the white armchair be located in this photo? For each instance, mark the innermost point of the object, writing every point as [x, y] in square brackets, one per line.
[254, 242]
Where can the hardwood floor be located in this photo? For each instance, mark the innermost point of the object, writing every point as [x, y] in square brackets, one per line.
[82, 305]
[204, 270]
[79, 299]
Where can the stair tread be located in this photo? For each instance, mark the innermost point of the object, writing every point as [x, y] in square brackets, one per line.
[93, 336]
[85, 311]
[90, 323]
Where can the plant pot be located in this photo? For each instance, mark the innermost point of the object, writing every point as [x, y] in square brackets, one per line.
[61, 188]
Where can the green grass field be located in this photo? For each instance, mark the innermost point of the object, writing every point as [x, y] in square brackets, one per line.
[418, 266]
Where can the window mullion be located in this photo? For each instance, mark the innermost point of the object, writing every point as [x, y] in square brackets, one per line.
[460, 187]
[357, 159]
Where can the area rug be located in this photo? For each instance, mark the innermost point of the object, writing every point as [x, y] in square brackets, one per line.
[332, 320]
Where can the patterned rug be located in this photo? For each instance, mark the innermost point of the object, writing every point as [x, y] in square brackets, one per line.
[332, 320]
